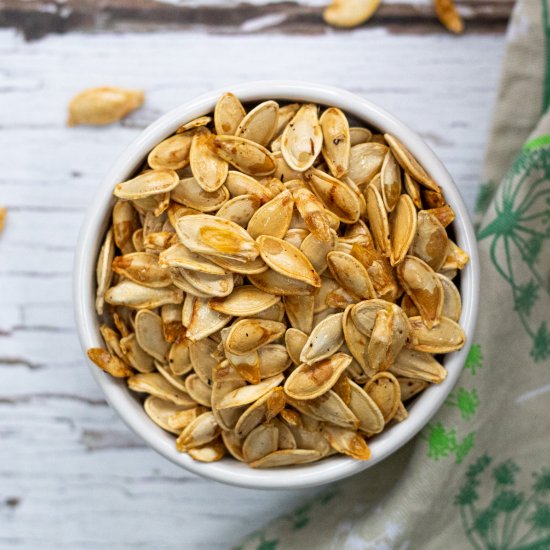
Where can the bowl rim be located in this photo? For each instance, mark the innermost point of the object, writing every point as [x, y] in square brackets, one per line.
[130, 410]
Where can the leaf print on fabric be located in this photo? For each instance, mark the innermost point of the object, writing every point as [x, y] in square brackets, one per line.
[540, 517]
[485, 195]
[533, 248]
[505, 473]
[511, 520]
[474, 360]
[464, 447]
[466, 401]
[541, 343]
[300, 517]
[546, 27]
[519, 240]
[541, 486]
[268, 545]
[443, 442]
[526, 297]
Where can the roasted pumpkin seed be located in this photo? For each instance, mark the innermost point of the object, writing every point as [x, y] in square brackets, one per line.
[302, 139]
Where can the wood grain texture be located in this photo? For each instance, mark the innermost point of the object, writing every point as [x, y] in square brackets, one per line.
[37, 18]
[71, 474]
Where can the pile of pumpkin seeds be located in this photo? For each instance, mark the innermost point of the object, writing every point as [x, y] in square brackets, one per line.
[277, 284]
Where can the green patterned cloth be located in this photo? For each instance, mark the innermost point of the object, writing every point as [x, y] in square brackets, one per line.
[478, 476]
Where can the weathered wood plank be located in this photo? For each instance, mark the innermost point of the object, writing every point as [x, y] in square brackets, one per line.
[37, 18]
[73, 476]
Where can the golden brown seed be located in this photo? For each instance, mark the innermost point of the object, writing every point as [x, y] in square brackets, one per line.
[3, 216]
[365, 409]
[349, 13]
[350, 274]
[336, 141]
[287, 260]
[445, 214]
[213, 236]
[202, 430]
[432, 198]
[431, 243]
[273, 218]
[172, 153]
[155, 384]
[245, 155]
[299, 310]
[266, 408]
[287, 457]
[390, 181]
[413, 190]
[456, 257]
[418, 366]
[347, 441]
[449, 16]
[452, 303]
[337, 196]
[403, 224]
[260, 123]
[247, 335]
[329, 407]
[379, 269]
[125, 222]
[104, 272]
[250, 393]
[239, 184]
[424, 287]
[409, 163]
[409, 387]
[210, 452]
[128, 293]
[378, 220]
[109, 363]
[366, 161]
[228, 114]
[99, 106]
[189, 193]
[244, 301]
[383, 388]
[142, 268]
[311, 381]
[274, 283]
[195, 123]
[313, 213]
[447, 336]
[302, 139]
[162, 413]
[209, 170]
[239, 209]
[295, 341]
[326, 339]
[152, 182]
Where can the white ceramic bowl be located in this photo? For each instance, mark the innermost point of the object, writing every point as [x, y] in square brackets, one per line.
[129, 408]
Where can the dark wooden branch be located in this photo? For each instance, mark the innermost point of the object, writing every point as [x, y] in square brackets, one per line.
[37, 18]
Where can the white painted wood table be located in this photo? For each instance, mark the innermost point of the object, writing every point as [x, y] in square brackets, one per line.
[71, 474]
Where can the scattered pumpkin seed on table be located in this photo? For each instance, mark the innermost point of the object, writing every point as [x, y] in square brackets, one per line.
[3, 216]
[104, 105]
[352, 13]
[275, 284]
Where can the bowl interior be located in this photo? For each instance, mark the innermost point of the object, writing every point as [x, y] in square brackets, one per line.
[129, 406]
